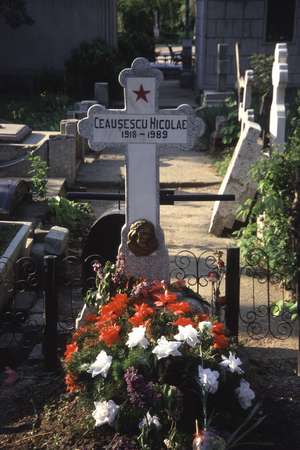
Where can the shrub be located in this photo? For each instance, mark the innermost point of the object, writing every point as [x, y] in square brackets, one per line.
[261, 65]
[133, 45]
[90, 62]
[273, 247]
[222, 164]
[38, 174]
[230, 131]
[40, 112]
[137, 38]
[76, 216]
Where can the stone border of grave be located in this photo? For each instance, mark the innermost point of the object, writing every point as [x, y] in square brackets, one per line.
[14, 250]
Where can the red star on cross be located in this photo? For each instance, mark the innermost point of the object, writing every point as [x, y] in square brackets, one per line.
[141, 93]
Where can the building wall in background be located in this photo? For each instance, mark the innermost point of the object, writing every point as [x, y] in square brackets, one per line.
[243, 21]
[60, 26]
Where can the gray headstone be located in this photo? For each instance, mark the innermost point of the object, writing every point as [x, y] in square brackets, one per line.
[84, 105]
[101, 93]
[237, 180]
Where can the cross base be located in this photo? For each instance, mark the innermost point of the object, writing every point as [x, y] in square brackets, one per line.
[151, 267]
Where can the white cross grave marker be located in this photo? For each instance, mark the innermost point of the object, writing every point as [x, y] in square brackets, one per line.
[139, 129]
[280, 74]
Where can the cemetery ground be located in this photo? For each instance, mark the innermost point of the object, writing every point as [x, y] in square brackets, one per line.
[39, 414]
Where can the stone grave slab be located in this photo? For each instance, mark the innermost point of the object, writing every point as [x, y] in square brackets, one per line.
[12, 132]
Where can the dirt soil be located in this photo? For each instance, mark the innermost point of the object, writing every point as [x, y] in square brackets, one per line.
[36, 413]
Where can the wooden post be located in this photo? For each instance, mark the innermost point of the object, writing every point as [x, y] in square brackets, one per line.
[232, 292]
[50, 340]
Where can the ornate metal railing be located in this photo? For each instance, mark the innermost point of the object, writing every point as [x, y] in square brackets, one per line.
[25, 286]
[45, 298]
[204, 273]
[256, 314]
[260, 315]
[20, 285]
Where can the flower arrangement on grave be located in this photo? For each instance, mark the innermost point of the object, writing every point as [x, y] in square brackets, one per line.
[149, 365]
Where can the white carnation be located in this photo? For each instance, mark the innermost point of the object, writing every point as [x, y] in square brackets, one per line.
[137, 338]
[101, 365]
[187, 334]
[245, 394]
[208, 379]
[165, 348]
[105, 412]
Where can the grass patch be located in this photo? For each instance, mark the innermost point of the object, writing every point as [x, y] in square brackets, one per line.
[7, 233]
[222, 162]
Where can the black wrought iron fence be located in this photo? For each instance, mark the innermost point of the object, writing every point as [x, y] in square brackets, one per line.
[44, 298]
[264, 301]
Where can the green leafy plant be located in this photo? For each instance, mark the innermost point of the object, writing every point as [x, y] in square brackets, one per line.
[230, 131]
[38, 174]
[76, 216]
[110, 280]
[222, 164]
[272, 245]
[282, 306]
[136, 37]
[40, 112]
[261, 64]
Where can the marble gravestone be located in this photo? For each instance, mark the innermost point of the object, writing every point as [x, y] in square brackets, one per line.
[248, 150]
[278, 111]
[141, 130]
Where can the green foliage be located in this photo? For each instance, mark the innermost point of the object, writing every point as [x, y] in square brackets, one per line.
[261, 64]
[272, 248]
[171, 14]
[109, 280]
[281, 306]
[133, 45]
[90, 62]
[137, 22]
[293, 111]
[136, 15]
[222, 164]
[76, 216]
[38, 174]
[41, 112]
[230, 131]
